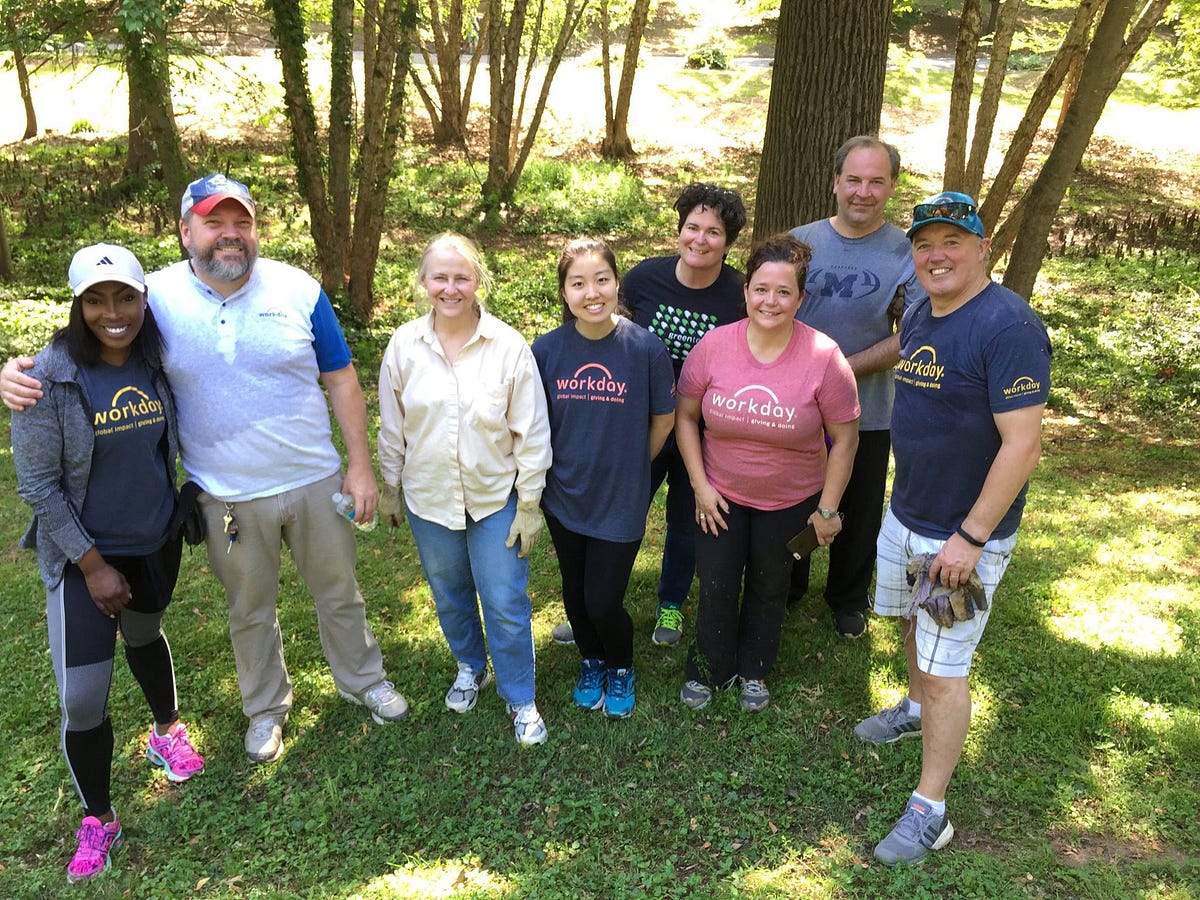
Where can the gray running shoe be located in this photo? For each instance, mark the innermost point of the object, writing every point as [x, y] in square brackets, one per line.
[918, 831]
[562, 633]
[385, 702]
[528, 724]
[755, 695]
[695, 695]
[264, 739]
[465, 691]
[889, 725]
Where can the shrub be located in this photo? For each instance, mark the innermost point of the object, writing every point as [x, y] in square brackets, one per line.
[709, 56]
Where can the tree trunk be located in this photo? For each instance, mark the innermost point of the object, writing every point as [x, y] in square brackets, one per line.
[6, 266]
[341, 123]
[139, 155]
[148, 66]
[31, 126]
[961, 86]
[384, 90]
[287, 27]
[818, 100]
[1003, 29]
[504, 36]
[1022, 139]
[616, 138]
[1107, 58]
[571, 17]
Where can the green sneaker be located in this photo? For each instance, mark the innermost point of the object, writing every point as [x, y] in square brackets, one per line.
[669, 627]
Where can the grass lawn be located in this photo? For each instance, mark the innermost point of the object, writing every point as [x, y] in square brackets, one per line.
[1081, 771]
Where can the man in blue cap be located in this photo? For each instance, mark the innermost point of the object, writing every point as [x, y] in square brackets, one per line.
[250, 343]
[971, 387]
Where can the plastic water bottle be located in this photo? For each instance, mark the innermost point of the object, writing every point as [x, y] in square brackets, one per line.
[344, 504]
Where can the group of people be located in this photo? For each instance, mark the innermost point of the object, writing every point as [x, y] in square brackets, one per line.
[764, 400]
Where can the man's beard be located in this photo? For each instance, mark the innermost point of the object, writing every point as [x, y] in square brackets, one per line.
[222, 271]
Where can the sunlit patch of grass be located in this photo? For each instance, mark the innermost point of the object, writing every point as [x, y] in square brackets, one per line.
[438, 878]
[1115, 622]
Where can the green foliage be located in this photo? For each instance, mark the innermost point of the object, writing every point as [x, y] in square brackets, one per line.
[708, 56]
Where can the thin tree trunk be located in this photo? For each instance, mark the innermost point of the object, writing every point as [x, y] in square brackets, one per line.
[1022, 139]
[617, 144]
[571, 17]
[31, 126]
[1003, 27]
[6, 265]
[1108, 56]
[287, 27]
[384, 85]
[961, 86]
[341, 123]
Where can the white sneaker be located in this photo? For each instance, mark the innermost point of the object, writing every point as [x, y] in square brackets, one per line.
[385, 702]
[264, 739]
[528, 723]
[465, 691]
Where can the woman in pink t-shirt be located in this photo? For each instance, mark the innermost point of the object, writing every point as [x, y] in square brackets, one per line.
[768, 390]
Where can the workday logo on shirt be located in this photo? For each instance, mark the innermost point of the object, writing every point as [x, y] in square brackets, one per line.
[753, 404]
[591, 381]
[921, 369]
[273, 312]
[131, 408]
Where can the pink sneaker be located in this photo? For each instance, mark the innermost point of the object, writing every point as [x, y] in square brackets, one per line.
[175, 754]
[97, 842]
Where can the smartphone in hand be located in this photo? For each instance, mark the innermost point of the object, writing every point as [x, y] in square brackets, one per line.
[804, 543]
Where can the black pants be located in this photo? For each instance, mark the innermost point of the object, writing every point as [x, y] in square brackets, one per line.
[852, 554]
[82, 646]
[749, 562]
[595, 574]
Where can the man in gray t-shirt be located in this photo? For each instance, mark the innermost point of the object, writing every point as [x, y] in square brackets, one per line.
[860, 265]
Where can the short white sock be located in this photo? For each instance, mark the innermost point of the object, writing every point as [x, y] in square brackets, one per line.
[913, 706]
[938, 807]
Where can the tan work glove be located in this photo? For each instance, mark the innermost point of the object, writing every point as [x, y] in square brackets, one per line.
[391, 505]
[527, 525]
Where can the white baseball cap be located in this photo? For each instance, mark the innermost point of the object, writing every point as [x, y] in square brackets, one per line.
[105, 262]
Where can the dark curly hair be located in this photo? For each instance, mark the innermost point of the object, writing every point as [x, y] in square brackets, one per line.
[725, 202]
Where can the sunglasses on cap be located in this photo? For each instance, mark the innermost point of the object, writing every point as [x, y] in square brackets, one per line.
[954, 210]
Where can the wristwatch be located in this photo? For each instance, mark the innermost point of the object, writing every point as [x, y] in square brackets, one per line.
[829, 513]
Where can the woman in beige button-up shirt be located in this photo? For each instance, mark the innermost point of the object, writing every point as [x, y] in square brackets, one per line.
[463, 429]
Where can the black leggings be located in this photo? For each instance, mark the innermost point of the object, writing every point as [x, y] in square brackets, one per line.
[82, 646]
[744, 574]
[595, 574]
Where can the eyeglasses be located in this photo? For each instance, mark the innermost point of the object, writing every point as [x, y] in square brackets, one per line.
[954, 210]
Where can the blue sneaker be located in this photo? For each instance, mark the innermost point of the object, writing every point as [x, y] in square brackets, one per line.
[589, 686]
[619, 702]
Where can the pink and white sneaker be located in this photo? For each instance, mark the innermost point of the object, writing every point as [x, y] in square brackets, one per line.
[175, 754]
[98, 841]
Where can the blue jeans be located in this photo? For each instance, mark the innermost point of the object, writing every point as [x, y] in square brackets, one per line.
[679, 543]
[459, 564]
